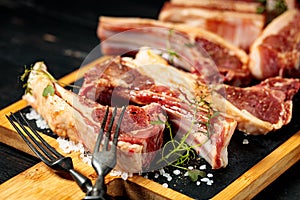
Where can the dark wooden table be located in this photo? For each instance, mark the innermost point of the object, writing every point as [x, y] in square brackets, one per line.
[62, 33]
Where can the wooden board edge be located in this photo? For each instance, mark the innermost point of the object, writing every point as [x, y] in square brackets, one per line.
[264, 172]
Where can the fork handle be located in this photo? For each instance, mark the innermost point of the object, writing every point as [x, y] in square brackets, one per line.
[84, 183]
[99, 190]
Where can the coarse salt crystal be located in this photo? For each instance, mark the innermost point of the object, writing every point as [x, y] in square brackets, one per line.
[209, 182]
[190, 167]
[124, 176]
[40, 122]
[176, 172]
[156, 175]
[204, 179]
[32, 115]
[161, 171]
[69, 146]
[202, 167]
[198, 183]
[115, 173]
[165, 185]
[209, 175]
[168, 176]
[245, 141]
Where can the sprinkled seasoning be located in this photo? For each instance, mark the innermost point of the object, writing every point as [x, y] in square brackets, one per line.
[202, 167]
[245, 141]
[176, 172]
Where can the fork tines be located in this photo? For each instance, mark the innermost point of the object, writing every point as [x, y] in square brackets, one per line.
[44, 153]
[47, 153]
[109, 130]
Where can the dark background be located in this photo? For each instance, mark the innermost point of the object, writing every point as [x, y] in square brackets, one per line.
[62, 33]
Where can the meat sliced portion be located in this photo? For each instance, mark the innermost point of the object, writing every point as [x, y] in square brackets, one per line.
[277, 51]
[261, 108]
[190, 48]
[79, 119]
[123, 79]
[238, 28]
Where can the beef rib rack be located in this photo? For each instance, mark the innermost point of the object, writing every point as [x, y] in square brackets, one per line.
[79, 119]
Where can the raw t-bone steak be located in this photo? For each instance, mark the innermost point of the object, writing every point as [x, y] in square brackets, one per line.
[79, 119]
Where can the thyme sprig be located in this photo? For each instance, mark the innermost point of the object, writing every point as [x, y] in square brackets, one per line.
[49, 89]
[211, 113]
[171, 53]
[273, 8]
[178, 153]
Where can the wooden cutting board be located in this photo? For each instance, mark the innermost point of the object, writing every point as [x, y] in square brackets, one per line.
[40, 182]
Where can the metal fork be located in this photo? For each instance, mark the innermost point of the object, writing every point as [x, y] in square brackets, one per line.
[104, 160]
[47, 153]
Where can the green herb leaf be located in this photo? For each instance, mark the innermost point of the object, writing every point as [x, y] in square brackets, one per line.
[190, 45]
[158, 122]
[25, 74]
[260, 10]
[195, 173]
[49, 90]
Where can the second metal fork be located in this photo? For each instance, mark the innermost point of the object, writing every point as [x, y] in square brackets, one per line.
[47, 153]
[104, 160]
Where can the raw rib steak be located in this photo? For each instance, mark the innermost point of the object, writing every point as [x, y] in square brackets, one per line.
[190, 48]
[225, 98]
[261, 108]
[237, 27]
[79, 119]
[254, 115]
[277, 51]
[152, 81]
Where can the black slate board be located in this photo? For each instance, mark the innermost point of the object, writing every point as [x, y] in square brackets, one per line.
[241, 158]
